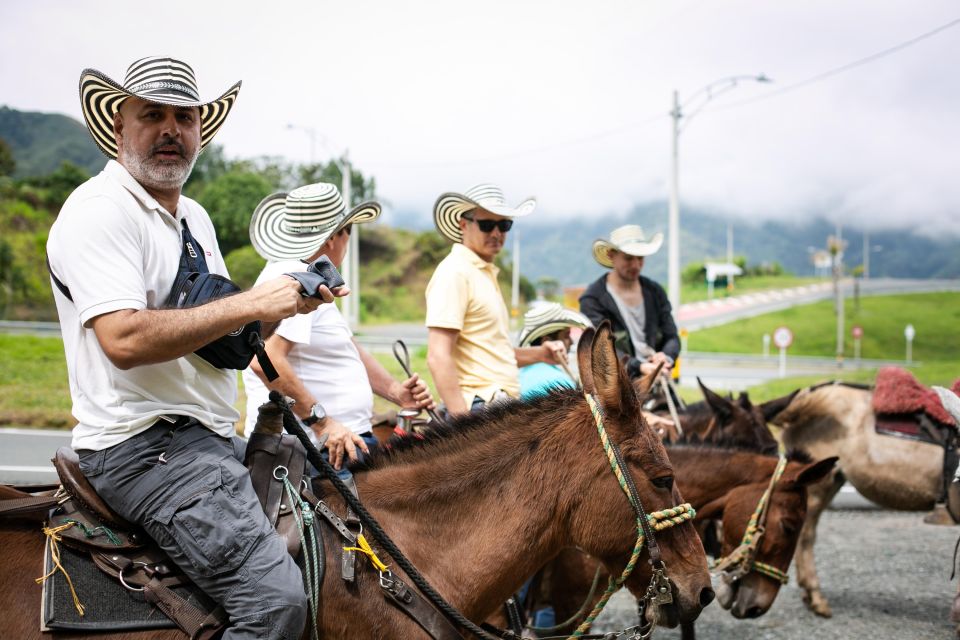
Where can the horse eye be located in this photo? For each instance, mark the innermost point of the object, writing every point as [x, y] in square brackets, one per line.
[665, 482]
[788, 528]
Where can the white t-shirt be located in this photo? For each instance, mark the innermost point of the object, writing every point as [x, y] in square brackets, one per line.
[115, 247]
[323, 357]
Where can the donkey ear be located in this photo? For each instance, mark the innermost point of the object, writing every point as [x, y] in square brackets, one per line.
[722, 407]
[645, 383]
[584, 359]
[816, 471]
[744, 401]
[772, 408]
[605, 367]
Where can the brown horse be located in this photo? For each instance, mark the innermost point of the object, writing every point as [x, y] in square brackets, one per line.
[723, 421]
[838, 420]
[478, 507]
[721, 483]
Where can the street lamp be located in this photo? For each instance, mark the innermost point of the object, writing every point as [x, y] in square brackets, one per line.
[695, 103]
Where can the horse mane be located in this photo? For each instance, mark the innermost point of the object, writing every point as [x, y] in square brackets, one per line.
[468, 427]
[721, 440]
[792, 455]
[841, 383]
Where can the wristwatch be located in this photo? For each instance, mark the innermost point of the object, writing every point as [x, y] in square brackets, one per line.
[317, 414]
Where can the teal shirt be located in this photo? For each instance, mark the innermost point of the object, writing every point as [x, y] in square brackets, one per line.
[540, 378]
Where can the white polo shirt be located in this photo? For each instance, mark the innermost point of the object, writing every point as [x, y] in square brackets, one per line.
[115, 247]
[325, 359]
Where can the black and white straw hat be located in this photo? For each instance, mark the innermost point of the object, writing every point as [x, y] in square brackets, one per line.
[549, 317]
[156, 79]
[629, 239]
[450, 207]
[292, 226]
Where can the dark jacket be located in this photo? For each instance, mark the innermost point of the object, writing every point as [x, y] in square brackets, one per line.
[660, 332]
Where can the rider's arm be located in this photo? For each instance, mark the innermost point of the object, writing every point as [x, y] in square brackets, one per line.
[668, 328]
[551, 352]
[412, 392]
[443, 368]
[130, 338]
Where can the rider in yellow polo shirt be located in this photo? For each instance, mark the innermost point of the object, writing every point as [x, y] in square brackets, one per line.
[469, 350]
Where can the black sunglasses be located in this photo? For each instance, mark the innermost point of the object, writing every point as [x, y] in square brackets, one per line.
[489, 225]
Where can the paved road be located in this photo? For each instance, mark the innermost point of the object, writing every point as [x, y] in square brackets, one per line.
[886, 574]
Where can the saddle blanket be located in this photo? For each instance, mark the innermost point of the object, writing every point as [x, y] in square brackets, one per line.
[107, 604]
[898, 392]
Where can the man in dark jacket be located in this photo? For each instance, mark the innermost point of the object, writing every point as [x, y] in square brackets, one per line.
[636, 306]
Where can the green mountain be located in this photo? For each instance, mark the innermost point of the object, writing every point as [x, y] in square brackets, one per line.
[41, 142]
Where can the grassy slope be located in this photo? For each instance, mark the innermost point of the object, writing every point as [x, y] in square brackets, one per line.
[936, 317]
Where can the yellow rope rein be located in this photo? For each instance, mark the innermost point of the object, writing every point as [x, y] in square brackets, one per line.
[658, 521]
[53, 537]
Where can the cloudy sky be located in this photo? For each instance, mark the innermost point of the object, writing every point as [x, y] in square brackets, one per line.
[564, 100]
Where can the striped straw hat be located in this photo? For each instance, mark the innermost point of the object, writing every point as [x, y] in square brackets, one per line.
[549, 317]
[629, 239]
[155, 79]
[450, 207]
[291, 226]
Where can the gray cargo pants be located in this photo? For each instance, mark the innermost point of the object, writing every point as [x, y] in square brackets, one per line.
[186, 487]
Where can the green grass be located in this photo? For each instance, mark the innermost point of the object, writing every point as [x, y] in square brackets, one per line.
[752, 284]
[33, 382]
[936, 317]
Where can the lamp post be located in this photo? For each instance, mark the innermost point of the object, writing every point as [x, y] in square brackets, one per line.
[695, 103]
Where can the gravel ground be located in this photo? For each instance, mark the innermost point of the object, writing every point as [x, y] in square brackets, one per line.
[885, 573]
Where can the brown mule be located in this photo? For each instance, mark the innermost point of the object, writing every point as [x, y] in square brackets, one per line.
[478, 507]
[722, 484]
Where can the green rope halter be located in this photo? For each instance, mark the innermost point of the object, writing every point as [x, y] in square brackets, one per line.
[742, 561]
[658, 521]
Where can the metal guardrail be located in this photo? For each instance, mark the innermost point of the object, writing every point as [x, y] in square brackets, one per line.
[754, 359]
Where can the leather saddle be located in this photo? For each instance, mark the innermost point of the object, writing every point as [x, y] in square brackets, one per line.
[122, 550]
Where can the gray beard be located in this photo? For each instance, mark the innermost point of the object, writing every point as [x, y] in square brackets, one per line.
[156, 175]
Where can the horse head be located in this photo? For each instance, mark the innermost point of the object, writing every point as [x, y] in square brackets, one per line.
[740, 422]
[652, 473]
[749, 590]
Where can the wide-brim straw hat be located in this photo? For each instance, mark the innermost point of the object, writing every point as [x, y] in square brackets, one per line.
[154, 79]
[450, 207]
[547, 318]
[629, 239]
[293, 226]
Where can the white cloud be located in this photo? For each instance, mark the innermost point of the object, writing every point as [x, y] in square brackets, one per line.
[434, 96]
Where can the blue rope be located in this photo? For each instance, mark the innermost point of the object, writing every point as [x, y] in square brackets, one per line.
[304, 522]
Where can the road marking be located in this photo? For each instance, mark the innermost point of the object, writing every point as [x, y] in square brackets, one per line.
[26, 469]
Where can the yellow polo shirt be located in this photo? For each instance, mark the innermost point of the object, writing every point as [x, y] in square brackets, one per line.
[463, 294]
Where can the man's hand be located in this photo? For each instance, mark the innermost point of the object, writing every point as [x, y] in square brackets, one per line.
[659, 357]
[554, 352]
[341, 442]
[413, 393]
[282, 297]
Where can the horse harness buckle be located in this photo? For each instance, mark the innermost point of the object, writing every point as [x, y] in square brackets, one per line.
[660, 591]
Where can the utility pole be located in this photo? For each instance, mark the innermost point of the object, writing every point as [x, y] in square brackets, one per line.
[866, 255]
[673, 227]
[729, 243]
[351, 266]
[515, 281]
[837, 251]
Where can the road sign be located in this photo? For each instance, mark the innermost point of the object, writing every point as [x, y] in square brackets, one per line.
[857, 331]
[782, 337]
[909, 332]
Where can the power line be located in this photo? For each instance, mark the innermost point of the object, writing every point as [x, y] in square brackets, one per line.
[841, 69]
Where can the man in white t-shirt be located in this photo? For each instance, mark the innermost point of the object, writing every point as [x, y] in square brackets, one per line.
[321, 366]
[156, 420]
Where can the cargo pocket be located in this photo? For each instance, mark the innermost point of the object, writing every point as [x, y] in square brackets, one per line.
[210, 524]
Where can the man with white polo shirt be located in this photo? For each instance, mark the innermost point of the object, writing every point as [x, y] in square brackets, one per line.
[322, 367]
[469, 351]
[155, 419]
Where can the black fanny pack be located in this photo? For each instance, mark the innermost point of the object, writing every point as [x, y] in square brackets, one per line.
[195, 285]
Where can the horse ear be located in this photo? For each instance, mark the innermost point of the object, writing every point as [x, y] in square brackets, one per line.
[744, 401]
[584, 359]
[772, 408]
[815, 471]
[722, 407]
[604, 367]
[646, 382]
